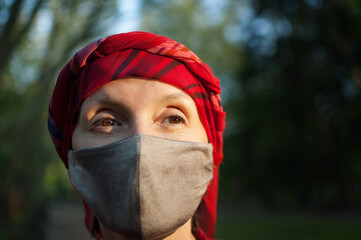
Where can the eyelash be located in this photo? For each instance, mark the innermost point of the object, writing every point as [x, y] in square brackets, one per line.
[98, 122]
[181, 119]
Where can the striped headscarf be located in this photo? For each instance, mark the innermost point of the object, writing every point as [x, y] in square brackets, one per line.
[146, 55]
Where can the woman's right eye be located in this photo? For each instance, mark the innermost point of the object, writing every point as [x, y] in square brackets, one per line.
[105, 122]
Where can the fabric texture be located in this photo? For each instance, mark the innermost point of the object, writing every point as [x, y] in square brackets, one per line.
[146, 55]
[161, 182]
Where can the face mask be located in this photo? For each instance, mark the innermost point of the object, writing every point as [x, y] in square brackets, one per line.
[144, 187]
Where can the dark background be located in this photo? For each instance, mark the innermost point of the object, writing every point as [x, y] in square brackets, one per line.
[291, 76]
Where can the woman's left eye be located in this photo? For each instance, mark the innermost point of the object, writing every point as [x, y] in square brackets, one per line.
[174, 120]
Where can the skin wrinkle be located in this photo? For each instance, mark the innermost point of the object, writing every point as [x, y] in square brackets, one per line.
[143, 106]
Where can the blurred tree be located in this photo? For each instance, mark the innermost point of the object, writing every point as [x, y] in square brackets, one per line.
[299, 105]
[37, 37]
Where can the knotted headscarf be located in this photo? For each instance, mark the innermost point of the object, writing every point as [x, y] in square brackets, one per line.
[150, 56]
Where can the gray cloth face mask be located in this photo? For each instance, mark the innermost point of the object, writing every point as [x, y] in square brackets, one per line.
[143, 187]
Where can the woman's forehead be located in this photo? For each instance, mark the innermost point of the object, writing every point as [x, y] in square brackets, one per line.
[138, 91]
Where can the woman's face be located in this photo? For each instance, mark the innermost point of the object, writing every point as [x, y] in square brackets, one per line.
[131, 106]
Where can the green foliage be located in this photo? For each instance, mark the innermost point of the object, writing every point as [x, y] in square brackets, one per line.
[275, 227]
[298, 111]
[37, 38]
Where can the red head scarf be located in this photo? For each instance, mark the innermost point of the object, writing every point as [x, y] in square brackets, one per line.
[146, 55]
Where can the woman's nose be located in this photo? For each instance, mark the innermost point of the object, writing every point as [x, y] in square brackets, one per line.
[142, 126]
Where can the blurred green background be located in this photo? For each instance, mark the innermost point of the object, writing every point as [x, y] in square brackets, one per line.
[290, 72]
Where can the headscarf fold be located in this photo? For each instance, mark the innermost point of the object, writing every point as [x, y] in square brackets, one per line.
[145, 55]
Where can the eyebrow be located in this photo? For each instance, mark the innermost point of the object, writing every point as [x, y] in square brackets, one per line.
[175, 98]
[109, 102]
[171, 98]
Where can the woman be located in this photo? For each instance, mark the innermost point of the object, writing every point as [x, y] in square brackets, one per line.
[136, 119]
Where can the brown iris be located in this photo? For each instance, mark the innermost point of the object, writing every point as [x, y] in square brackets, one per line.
[107, 122]
[174, 120]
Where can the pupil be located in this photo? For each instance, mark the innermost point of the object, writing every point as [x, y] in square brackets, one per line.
[174, 119]
[108, 122]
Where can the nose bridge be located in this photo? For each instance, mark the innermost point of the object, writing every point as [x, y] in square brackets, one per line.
[141, 125]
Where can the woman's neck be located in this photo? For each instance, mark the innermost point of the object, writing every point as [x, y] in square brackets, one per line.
[182, 233]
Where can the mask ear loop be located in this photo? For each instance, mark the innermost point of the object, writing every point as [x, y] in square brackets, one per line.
[194, 224]
[96, 228]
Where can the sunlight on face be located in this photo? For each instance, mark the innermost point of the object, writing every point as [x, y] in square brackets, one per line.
[131, 106]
